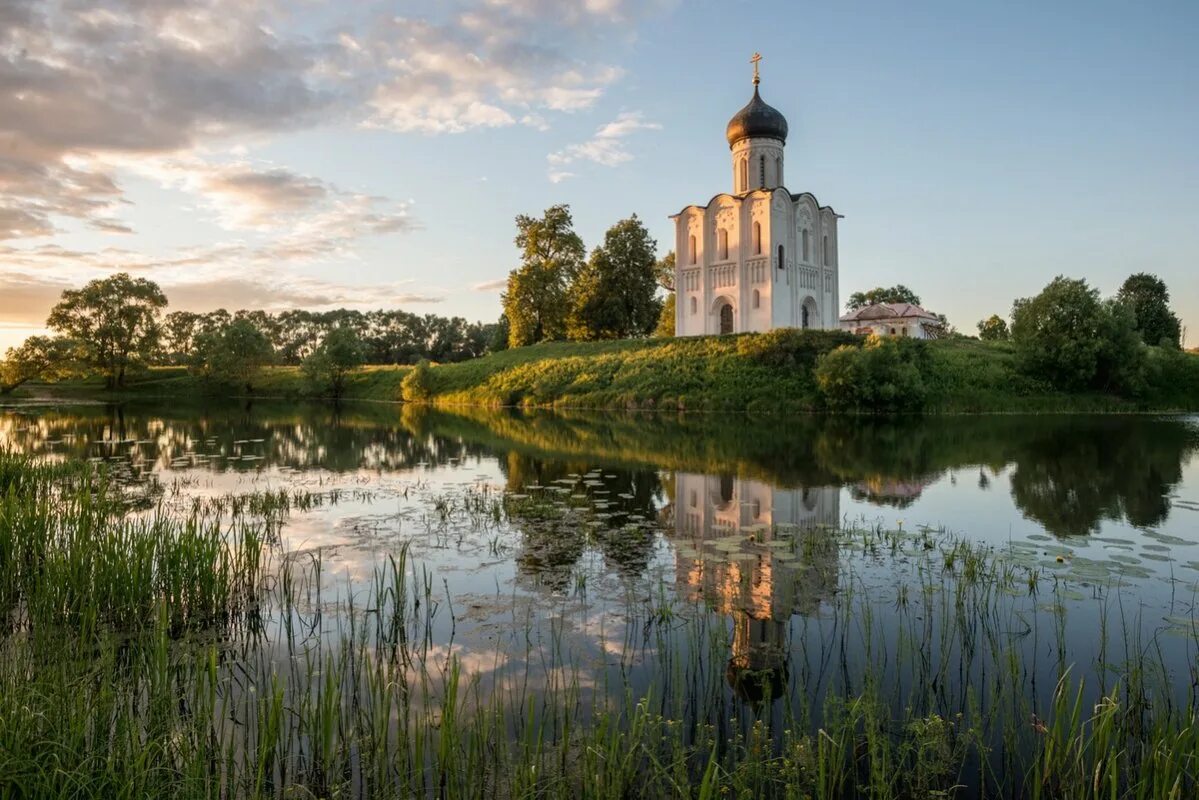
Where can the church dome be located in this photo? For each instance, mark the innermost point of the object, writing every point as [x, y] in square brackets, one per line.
[757, 120]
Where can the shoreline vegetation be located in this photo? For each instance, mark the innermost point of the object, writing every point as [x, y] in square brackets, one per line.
[226, 672]
[778, 372]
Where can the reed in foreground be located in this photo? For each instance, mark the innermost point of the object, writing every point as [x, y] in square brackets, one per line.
[182, 655]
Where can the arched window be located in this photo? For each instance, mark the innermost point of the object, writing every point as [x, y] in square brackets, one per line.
[722, 247]
[762, 171]
[757, 238]
[743, 175]
[778, 171]
[726, 488]
[757, 298]
[694, 306]
[782, 263]
[824, 249]
[691, 249]
[726, 319]
[807, 257]
[805, 316]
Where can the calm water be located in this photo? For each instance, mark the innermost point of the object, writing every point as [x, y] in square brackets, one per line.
[1109, 506]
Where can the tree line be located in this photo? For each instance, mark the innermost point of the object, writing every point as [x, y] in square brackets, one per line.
[114, 326]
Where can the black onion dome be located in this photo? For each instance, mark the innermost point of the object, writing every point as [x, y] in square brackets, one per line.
[757, 120]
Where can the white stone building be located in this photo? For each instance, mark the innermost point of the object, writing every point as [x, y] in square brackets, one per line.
[759, 257]
[893, 319]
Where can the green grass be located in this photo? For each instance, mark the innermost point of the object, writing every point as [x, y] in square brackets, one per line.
[748, 372]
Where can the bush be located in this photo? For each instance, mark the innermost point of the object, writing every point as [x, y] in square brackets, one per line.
[793, 347]
[417, 386]
[886, 374]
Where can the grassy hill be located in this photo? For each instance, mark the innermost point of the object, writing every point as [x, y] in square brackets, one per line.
[748, 372]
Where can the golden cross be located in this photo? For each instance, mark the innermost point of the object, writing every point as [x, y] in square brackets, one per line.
[756, 58]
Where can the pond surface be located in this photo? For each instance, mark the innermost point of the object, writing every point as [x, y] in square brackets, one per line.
[697, 508]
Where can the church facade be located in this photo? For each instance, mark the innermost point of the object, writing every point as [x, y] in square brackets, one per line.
[759, 257]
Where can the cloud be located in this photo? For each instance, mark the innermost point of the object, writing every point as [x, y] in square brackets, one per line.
[126, 77]
[491, 286]
[493, 66]
[606, 148]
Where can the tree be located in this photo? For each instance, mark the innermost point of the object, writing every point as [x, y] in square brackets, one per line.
[179, 329]
[329, 366]
[666, 317]
[38, 357]
[614, 295]
[115, 322]
[1068, 336]
[993, 329]
[551, 255]
[234, 355]
[1149, 299]
[893, 294]
[665, 269]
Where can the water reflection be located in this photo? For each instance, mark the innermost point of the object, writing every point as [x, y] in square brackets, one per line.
[1068, 474]
[759, 555]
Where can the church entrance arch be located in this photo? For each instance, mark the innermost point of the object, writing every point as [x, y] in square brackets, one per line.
[726, 319]
[809, 314]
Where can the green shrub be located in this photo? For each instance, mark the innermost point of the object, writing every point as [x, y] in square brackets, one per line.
[886, 374]
[793, 347]
[417, 386]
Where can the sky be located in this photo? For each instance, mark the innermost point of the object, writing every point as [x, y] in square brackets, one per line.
[301, 154]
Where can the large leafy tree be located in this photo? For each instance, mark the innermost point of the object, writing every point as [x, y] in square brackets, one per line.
[234, 355]
[551, 255]
[879, 294]
[330, 365]
[993, 329]
[614, 295]
[1149, 299]
[1070, 337]
[114, 321]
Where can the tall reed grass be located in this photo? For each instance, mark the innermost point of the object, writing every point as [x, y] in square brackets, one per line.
[184, 656]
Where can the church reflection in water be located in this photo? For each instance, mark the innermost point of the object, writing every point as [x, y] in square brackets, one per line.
[759, 555]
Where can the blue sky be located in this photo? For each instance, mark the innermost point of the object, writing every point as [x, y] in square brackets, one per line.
[277, 154]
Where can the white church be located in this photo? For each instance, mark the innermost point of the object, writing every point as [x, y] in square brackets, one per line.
[759, 257]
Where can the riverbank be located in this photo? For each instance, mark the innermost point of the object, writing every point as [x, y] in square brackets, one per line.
[751, 372]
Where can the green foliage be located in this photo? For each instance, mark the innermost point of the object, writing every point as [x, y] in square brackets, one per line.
[1066, 335]
[536, 301]
[233, 356]
[613, 295]
[886, 374]
[793, 348]
[330, 365]
[417, 386]
[665, 326]
[114, 321]
[665, 268]
[37, 358]
[993, 329]
[1057, 332]
[1149, 299]
[891, 294]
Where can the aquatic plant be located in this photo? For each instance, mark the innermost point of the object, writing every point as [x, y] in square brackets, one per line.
[182, 655]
